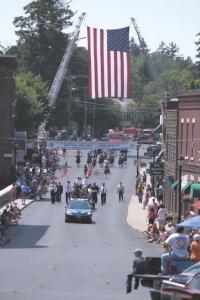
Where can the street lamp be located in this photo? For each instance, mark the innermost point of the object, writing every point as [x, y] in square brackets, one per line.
[180, 166]
[138, 148]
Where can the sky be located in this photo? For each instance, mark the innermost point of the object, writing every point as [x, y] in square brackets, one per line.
[158, 20]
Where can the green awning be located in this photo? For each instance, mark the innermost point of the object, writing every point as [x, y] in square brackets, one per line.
[186, 188]
[195, 190]
[174, 185]
[158, 129]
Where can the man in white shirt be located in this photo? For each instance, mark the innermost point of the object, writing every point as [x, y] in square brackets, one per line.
[86, 181]
[53, 190]
[103, 192]
[178, 244]
[120, 191]
[161, 216]
[68, 191]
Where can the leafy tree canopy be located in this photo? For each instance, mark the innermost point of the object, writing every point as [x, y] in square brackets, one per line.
[197, 64]
[41, 40]
[174, 80]
[31, 102]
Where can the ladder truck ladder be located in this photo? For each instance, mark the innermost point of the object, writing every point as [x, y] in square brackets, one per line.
[62, 70]
[153, 72]
[148, 59]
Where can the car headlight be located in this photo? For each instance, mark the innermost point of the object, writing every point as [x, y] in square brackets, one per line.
[68, 212]
[89, 213]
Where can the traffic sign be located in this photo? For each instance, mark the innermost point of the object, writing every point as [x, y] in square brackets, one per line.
[156, 168]
[157, 172]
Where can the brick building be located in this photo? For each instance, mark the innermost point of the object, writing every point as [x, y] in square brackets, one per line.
[189, 143]
[7, 117]
[182, 139]
[189, 133]
[170, 140]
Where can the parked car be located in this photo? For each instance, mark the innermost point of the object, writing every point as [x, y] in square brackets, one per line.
[78, 210]
[190, 290]
[180, 279]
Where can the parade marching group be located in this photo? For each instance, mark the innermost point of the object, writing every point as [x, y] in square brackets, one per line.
[82, 186]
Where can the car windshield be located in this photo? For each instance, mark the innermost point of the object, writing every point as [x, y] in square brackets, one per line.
[79, 205]
[195, 282]
[193, 269]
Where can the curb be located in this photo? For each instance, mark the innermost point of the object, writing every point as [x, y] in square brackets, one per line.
[27, 205]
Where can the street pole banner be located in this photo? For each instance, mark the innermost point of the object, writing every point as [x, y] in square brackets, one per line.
[88, 145]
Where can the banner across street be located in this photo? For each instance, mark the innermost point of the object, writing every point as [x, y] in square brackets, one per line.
[88, 145]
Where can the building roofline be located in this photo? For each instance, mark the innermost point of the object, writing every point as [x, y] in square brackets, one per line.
[188, 93]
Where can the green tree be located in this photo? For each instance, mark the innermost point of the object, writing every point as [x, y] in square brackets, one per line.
[134, 48]
[172, 50]
[2, 49]
[148, 109]
[41, 40]
[197, 64]
[162, 48]
[174, 80]
[31, 102]
[194, 84]
[140, 75]
[107, 116]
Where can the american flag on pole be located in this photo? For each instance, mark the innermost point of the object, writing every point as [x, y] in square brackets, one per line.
[109, 63]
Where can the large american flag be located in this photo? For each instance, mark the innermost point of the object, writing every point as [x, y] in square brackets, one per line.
[109, 63]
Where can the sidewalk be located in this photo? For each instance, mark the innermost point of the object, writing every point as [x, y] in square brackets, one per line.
[137, 216]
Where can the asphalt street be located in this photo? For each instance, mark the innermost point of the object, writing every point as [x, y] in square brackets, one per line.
[49, 259]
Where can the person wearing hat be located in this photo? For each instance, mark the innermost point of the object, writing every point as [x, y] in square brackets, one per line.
[138, 265]
[195, 247]
[68, 191]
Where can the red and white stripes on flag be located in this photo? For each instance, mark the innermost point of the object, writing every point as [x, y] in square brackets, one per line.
[109, 70]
